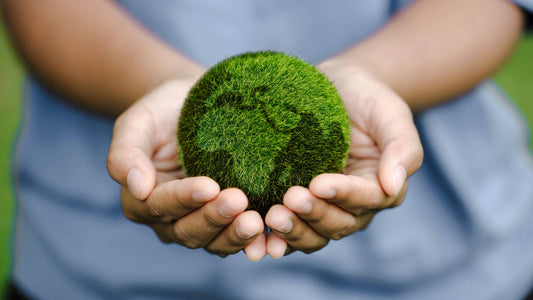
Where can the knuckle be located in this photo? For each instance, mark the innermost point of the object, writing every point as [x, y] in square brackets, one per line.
[221, 252]
[213, 250]
[163, 238]
[167, 219]
[295, 236]
[375, 199]
[153, 212]
[316, 247]
[193, 244]
[345, 230]
[214, 221]
[317, 214]
[183, 237]
[364, 225]
[372, 204]
[338, 235]
[131, 216]
[230, 251]
[330, 234]
[237, 243]
[184, 206]
[358, 211]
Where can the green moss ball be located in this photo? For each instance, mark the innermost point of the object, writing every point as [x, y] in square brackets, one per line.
[263, 122]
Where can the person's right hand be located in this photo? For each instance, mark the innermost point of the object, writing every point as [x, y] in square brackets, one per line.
[192, 211]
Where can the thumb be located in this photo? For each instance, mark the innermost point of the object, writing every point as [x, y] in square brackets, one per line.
[129, 159]
[401, 151]
[400, 159]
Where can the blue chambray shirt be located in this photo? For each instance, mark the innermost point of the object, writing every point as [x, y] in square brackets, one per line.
[465, 230]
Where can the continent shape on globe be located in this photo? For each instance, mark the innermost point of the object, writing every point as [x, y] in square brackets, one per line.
[263, 122]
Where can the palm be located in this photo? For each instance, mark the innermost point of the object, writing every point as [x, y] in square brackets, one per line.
[162, 114]
[363, 158]
[167, 166]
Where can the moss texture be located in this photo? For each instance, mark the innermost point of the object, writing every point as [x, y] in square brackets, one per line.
[263, 122]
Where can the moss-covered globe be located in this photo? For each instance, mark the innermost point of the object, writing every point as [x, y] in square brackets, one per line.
[263, 122]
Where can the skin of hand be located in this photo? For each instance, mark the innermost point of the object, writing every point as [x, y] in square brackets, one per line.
[431, 37]
[427, 54]
[192, 211]
[385, 150]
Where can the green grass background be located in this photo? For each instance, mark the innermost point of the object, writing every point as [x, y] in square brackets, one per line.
[11, 74]
[516, 78]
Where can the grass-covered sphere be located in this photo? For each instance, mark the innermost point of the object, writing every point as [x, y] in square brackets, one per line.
[263, 122]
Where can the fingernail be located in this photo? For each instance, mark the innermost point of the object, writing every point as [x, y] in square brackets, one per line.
[135, 181]
[243, 233]
[286, 227]
[329, 193]
[398, 179]
[227, 211]
[202, 196]
[278, 251]
[306, 207]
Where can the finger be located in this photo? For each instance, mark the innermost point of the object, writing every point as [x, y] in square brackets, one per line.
[399, 142]
[294, 230]
[276, 246]
[354, 194]
[174, 199]
[365, 220]
[171, 200]
[132, 208]
[165, 176]
[129, 159]
[401, 196]
[256, 250]
[327, 219]
[239, 234]
[164, 232]
[201, 226]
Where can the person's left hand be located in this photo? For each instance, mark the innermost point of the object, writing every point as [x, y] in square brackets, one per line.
[385, 150]
[192, 211]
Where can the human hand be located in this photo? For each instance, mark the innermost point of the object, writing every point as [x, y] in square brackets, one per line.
[385, 150]
[192, 212]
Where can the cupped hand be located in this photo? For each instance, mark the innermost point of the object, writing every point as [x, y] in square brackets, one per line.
[385, 150]
[192, 212]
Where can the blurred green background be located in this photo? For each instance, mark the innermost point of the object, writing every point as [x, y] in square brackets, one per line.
[516, 78]
[10, 77]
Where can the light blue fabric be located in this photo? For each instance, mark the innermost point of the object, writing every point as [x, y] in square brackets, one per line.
[526, 4]
[465, 230]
